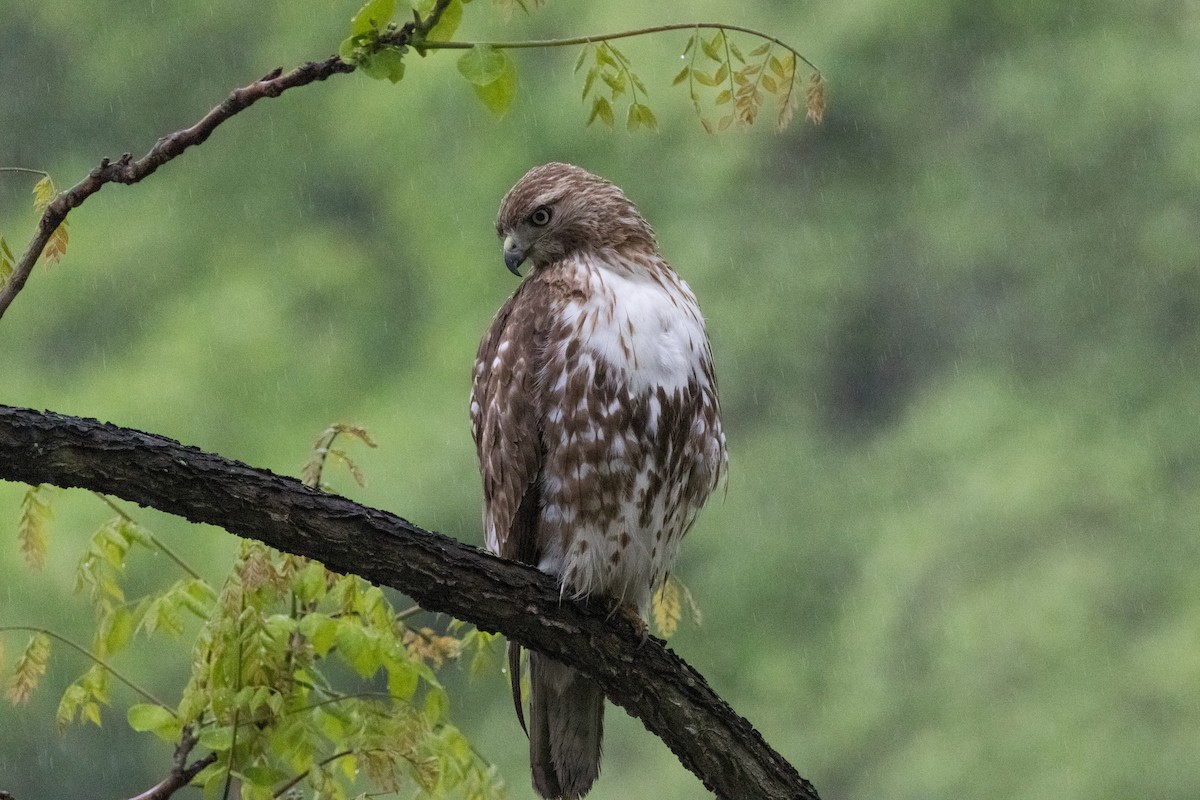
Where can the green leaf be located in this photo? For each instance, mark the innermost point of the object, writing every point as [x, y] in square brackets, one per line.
[43, 193]
[493, 76]
[602, 110]
[347, 47]
[372, 17]
[481, 65]
[616, 82]
[711, 47]
[681, 77]
[309, 584]
[320, 630]
[583, 54]
[6, 261]
[217, 738]
[387, 63]
[760, 50]
[436, 705]
[357, 648]
[161, 722]
[447, 23]
[402, 678]
[604, 56]
[117, 629]
[641, 116]
[589, 81]
[35, 523]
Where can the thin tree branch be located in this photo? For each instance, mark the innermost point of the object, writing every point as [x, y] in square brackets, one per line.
[95, 659]
[648, 680]
[126, 170]
[608, 37]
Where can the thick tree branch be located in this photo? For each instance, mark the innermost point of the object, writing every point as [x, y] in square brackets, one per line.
[648, 680]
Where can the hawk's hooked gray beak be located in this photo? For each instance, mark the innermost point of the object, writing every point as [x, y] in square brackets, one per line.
[514, 254]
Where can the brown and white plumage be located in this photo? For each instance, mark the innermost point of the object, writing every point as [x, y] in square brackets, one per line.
[594, 411]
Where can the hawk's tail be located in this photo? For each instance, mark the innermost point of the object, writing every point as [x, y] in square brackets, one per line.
[566, 725]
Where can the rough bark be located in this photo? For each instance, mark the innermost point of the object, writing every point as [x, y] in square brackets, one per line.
[650, 681]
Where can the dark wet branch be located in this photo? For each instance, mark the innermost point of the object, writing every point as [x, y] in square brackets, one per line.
[443, 575]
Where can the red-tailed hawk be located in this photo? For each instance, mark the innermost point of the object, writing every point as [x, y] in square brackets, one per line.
[594, 410]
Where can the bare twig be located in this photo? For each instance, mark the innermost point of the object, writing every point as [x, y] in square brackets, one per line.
[126, 170]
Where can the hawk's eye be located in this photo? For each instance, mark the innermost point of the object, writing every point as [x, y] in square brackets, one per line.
[541, 216]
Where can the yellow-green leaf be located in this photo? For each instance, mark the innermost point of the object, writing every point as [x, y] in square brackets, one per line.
[43, 193]
[481, 65]
[387, 63]
[160, 721]
[35, 524]
[602, 110]
[436, 705]
[320, 630]
[447, 23]
[681, 77]
[492, 75]
[666, 608]
[217, 738]
[56, 245]
[373, 16]
[30, 668]
[7, 260]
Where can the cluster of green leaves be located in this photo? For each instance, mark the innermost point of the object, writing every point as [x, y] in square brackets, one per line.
[740, 82]
[372, 44]
[298, 675]
[610, 67]
[609, 81]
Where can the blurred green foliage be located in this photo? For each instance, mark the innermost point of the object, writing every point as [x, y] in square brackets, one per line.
[957, 329]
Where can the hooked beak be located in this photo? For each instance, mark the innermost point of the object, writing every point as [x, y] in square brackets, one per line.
[514, 254]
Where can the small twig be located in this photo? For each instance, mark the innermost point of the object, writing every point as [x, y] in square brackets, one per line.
[28, 171]
[608, 37]
[282, 789]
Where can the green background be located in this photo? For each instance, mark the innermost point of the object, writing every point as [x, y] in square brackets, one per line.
[956, 329]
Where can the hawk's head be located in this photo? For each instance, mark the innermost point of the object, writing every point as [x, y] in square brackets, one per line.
[557, 210]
